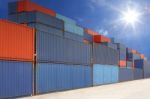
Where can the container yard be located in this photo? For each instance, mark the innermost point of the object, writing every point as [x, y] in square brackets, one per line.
[42, 51]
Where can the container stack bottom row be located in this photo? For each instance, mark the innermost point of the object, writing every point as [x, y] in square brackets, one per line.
[20, 79]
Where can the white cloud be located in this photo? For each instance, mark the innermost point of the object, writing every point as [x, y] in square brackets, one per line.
[102, 31]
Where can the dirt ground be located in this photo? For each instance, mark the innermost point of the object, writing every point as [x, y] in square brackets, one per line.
[139, 89]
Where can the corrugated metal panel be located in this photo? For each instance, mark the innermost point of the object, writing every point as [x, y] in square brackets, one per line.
[105, 74]
[129, 64]
[111, 45]
[131, 56]
[15, 79]
[98, 75]
[138, 74]
[12, 7]
[146, 69]
[122, 54]
[35, 16]
[57, 77]
[139, 64]
[73, 36]
[125, 74]
[74, 29]
[105, 55]
[65, 19]
[115, 73]
[27, 5]
[47, 29]
[57, 49]
[16, 41]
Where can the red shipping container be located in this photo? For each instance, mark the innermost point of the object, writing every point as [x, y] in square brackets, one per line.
[27, 5]
[16, 41]
[101, 39]
[122, 63]
[90, 32]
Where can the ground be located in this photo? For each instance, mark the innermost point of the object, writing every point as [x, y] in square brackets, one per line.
[139, 89]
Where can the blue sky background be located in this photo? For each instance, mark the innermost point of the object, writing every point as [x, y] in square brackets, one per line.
[101, 16]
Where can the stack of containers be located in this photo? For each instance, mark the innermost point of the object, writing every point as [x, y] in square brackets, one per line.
[104, 60]
[62, 59]
[65, 56]
[133, 55]
[145, 66]
[125, 73]
[71, 29]
[16, 59]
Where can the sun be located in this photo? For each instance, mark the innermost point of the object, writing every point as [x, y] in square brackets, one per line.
[130, 17]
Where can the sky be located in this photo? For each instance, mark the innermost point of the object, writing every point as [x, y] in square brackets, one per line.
[102, 16]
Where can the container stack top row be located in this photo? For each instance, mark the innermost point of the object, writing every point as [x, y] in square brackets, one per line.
[127, 56]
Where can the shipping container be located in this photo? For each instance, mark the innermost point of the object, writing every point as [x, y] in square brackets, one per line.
[122, 54]
[58, 77]
[88, 37]
[110, 45]
[27, 5]
[75, 29]
[16, 41]
[139, 63]
[101, 39]
[122, 63]
[35, 16]
[145, 65]
[146, 69]
[15, 79]
[73, 36]
[129, 64]
[66, 19]
[105, 74]
[47, 29]
[52, 48]
[126, 74]
[131, 56]
[138, 74]
[90, 32]
[105, 55]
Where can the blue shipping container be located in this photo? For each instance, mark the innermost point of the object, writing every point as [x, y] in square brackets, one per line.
[138, 74]
[139, 63]
[73, 36]
[57, 77]
[110, 45]
[105, 74]
[35, 16]
[52, 48]
[126, 74]
[15, 79]
[47, 29]
[65, 19]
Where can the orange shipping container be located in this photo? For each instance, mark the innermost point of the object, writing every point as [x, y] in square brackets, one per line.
[122, 63]
[133, 51]
[90, 32]
[142, 56]
[16, 41]
[100, 39]
[27, 5]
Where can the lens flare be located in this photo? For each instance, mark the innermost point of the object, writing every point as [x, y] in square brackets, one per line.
[130, 17]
